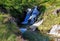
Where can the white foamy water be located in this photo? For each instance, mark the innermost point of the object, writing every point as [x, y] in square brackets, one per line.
[35, 25]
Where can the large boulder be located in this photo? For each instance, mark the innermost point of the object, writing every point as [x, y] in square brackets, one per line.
[55, 30]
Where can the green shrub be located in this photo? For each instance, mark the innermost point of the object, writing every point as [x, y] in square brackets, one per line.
[7, 29]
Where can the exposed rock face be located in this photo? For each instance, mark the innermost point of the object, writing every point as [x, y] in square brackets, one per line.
[55, 32]
[56, 11]
[55, 29]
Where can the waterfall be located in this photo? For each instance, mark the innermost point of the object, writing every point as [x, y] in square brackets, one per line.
[35, 25]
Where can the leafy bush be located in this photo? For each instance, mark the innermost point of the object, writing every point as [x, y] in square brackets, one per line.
[7, 29]
[17, 8]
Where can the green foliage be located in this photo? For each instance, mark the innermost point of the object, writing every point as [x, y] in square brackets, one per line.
[7, 29]
[18, 5]
[50, 19]
[17, 9]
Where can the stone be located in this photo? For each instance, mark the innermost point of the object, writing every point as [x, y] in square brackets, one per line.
[56, 11]
[55, 29]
